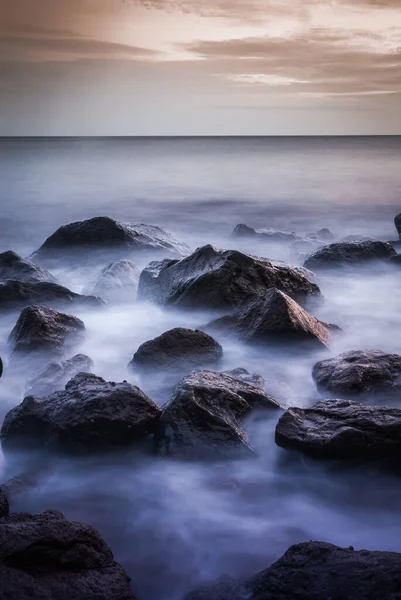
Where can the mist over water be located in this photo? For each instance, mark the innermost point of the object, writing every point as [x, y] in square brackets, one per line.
[173, 525]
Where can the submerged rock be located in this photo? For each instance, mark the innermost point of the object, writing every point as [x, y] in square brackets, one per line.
[89, 415]
[204, 417]
[273, 235]
[13, 266]
[179, 349]
[42, 329]
[17, 295]
[348, 253]
[317, 571]
[276, 318]
[360, 373]
[342, 430]
[84, 237]
[397, 223]
[217, 279]
[55, 376]
[118, 282]
[46, 557]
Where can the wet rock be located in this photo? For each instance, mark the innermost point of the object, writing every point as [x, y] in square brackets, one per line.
[342, 430]
[317, 571]
[13, 266]
[44, 330]
[273, 235]
[4, 507]
[46, 557]
[83, 237]
[397, 223]
[276, 319]
[204, 418]
[89, 415]
[360, 373]
[348, 253]
[17, 295]
[217, 279]
[118, 282]
[55, 376]
[179, 349]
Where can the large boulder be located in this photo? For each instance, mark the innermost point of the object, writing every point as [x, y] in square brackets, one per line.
[276, 318]
[118, 282]
[370, 373]
[56, 375]
[84, 237]
[44, 330]
[13, 266]
[341, 254]
[17, 295]
[342, 430]
[46, 557]
[90, 414]
[204, 417]
[178, 349]
[268, 235]
[317, 571]
[397, 223]
[217, 279]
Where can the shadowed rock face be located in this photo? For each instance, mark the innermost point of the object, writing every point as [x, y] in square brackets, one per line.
[104, 232]
[211, 278]
[276, 318]
[13, 266]
[342, 430]
[46, 557]
[55, 376]
[397, 223]
[42, 329]
[348, 253]
[317, 571]
[17, 295]
[90, 414]
[118, 282]
[204, 416]
[367, 373]
[179, 349]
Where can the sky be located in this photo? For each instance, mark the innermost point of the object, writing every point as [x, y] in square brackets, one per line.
[200, 67]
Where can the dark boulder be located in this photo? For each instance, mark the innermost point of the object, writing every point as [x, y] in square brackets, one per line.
[342, 430]
[179, 349]
[272, 235]
[348, 253]
[42, 329]
[55, 376]
[17, 295]
[118, 282]
[276, 318]
[397, 223]
[4, 507]
[217, 279]
[317, 571]
[46, 557]
[89, 415]
[204, 417]
[13, 266]
[370, 373]
[83, 237]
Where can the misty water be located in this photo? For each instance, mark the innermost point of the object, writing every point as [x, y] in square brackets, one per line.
[174, 525]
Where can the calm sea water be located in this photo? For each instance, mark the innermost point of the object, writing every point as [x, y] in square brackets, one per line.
[174, 525]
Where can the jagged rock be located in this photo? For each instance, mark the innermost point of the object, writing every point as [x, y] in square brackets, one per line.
[46, 557]
[13, 266]
[17, 295]
[4, 507]
[273, 235]
[118, 282]
[316, 571]
[83, 237]
[211, 278]
[179, 349]
[275, 318]
[397, 223]
[342, 430]
[348, 253]
[89, 415]
[55, 376]
[204, 416]
[42, 329]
